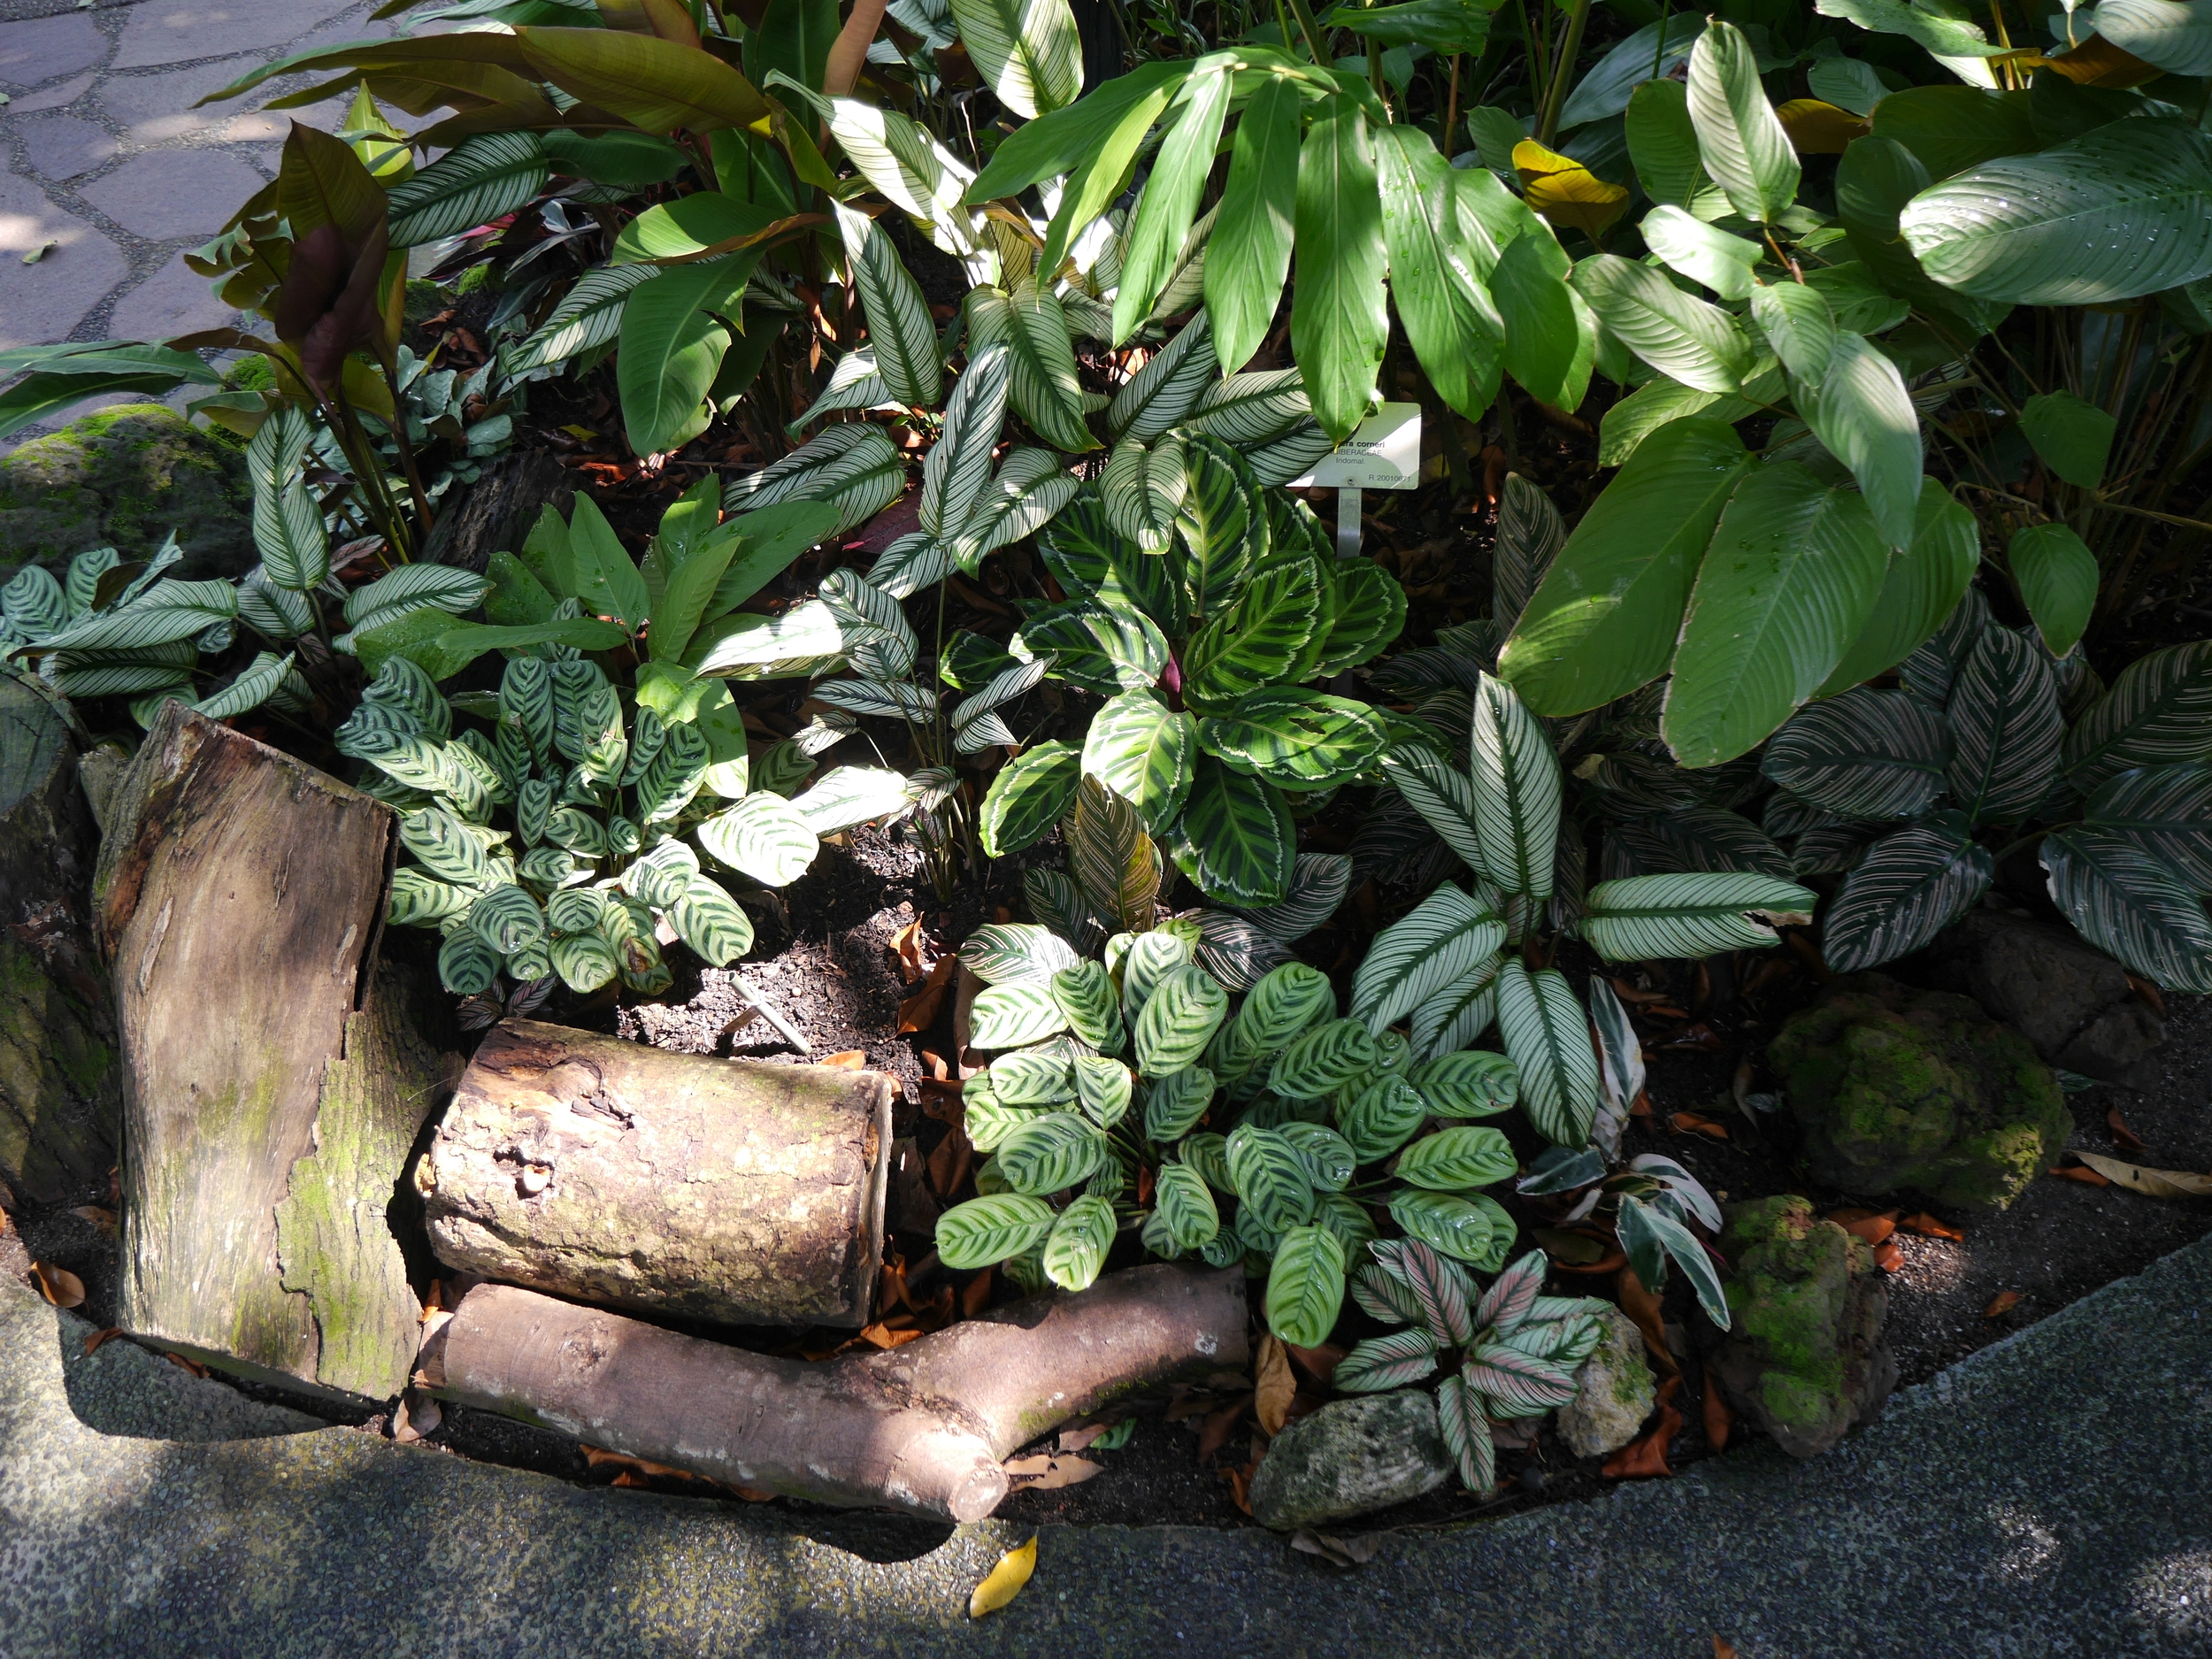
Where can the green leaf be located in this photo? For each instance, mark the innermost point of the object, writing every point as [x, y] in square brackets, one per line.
[1051, 1153]
[1740, 138]
[1469, 1084]
[1862, 414]
[1663, 142]
[1269, 1178]
[1240, 833]
[1379, 1120]
[1220, 528]
[1186, 1208]
[2158, 713]
[1259, 640]
[1925, 584]
[1173, 1103]
[1076, 1249]
[900, 327]
[1042, 384]
[710, 921]
[1910, 886]
[1548, 1039]
[1286, 1002]
[1103, 646]
[1305, 1287]
[1606, 617]
[1085, 995]
[1702, 913]
[2071, 435]
[2127, 904]
[1472, 1229]
[1014, 1015]
[1161, 221]
[1867, 753]
[1721, 262]
[1324, 1058]
[672, 347]
[764, 837]
[1012, 952]
[1144, 752]
[1449, 317]
[1693, 341]
[476, 182]
[1328, 1157]
[853, 468]
[467, 964]
[959, 462]
[1457, 1160]
[659, 85]
[1298, 739]
[1167, 388]
[2005, 727]
[1439, 942]
[1789, 582]
[2164, 811]
[984, 1230]
[1094, 143]
[1957, 44]
[1550, 334]
[2056, 574]
[1371, 613]
[1516, 776]
[2170, 34]
[2139, 192]
[1799, 324]
[1248, 254]
[1028, 797]
[1029, 52]
[1338, 321]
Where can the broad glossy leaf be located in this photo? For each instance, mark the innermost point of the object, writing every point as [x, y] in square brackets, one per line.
[1867, 753]
[2175, 35]
[1686, 339]
[1740, 138]
[2127, 903]
[1955, 43]
[2056, 574]
[2072, 435]
[1305, 1288]
[1449, 317]
[1723, 263]
[1865, 417]
[1550, 333]
[1799, 324]
[1297, 739]
[1249, 255]
[1169, 202]
[1910, 886]
[1663, 141]
[1240, 833]
[1923, 585]
[1338, 320]
[660, 85]
[1643, 919]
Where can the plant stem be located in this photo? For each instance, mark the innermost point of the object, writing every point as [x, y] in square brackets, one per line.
[1535, 56]
[1451, 107]
[1563, 69]
[1312, 32]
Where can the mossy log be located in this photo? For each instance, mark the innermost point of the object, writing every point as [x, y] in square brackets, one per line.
[274, 1086]
[615, 1172]
[922, 1427]
[59, 1083]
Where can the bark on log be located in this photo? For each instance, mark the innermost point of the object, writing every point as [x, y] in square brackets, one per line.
[272, 1086]
[615, 1172]
[494, 515]
[59, 1086]
[922, 1427]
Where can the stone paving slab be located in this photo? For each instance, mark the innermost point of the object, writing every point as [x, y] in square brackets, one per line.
[2050, 1496]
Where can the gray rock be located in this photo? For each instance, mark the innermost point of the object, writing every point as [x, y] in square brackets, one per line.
[1617, 1392]
[1350, 1458]
[2072, 1001]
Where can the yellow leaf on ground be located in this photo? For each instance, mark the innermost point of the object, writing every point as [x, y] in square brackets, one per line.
[1273, 1386]
[1005, 1580]
[2156, 1183]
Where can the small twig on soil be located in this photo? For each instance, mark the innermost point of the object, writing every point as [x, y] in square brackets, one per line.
[790, 1033]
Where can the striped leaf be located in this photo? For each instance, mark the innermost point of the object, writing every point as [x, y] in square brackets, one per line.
[1530, 535]
[1517, 1384]
[1305, 1287]
[1259, 640]
[1043, 385]
[1516, 791]
[1380, 1118]
[984, 1230]
[476, 182]
[910, 564]
[1143, 961]
[1620, 1065]
[467, 964]
[1086, 995]
[1291, 456]
[1240, 834]
[1091, 559]
[1076, 1249]
[1371, 613]
[419, 900]
[1472, 1230]
[1173, 1103]
[1016, 953]
[1298, 739]
[902, 163]
[1167, 388]
[1233, 949]
[1441, 1290]
[1105, 647]
[1014, 1015]
[438, 585]
[853, 467]
[441, 845]
[2158, 713]
[1248, 410]
[1910, 886]
[1867, 753]
[1270, 1178]
[1319, 882]
[1103, 1088]
[1439, 942]
[663, 875]
[1031, 1077]
[1384, 1296]
[1322, 1060]
[1457, 1160]
[1465, 1426]
[1184, 1207]
[2006, 727]
[257, 684]
[1470, 1084]
[1642, 918]
[2130, 906]
[1652, 1238]
[1513, 1296]
[763, 836]
[1111, 857]
[1441, 794]
[1287, 1002]
[1548, 1039]
[710, 921]
[987, 1121]
[1177, 1020]
[1028, 50]
[1328, 1156]
[877, 635]
[1143, 751]
[1220, 526]
[1700, 838]
[507, 920]
[1458, 1014]
[1051, 1153]
[1142, 490]
[588, 315]
[585, 962]
[1208, 1155]
[1380, 1364]
[1028, 797]
[959, 464]
[893, 699]
[899, 329]
[2166, 811]
[1029, 489]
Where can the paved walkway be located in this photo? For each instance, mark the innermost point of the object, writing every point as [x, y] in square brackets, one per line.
[2051, 1496]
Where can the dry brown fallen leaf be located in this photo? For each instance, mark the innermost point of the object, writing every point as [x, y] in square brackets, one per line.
[98, 1340]
[851, 1059]
[1272, 1384]
[1220, 1424]
[918, 1012]
[1928, 1227]
[1872, 1225]
[104, 1219]
[418, 1415]
[1338, 1552]
[2077, 1172]
[1723, 1649]
[1076, 1439]
[1319, 1364]
[58, 1285]
[1647, 1455]
[906, 944]
[2130, 1141]
[1004, 1581]
[1888, 1257]
[2154, 1183]
[182, 1363]
[1691, 1123]
[1048, 1471]
[975, 1297]
[1718, 1418]
[2000, 1304]
[1641, 1306]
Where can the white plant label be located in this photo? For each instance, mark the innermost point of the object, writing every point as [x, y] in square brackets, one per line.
[1384, 453]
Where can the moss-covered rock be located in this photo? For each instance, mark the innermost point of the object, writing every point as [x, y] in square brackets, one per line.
[124, 477]
[1617, 1391]
[1899, 1088]
[1804, 1357]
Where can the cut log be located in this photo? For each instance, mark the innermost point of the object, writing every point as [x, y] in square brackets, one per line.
[272, 1086]
[922, 1427]
[59, 1086]
[611, 1171]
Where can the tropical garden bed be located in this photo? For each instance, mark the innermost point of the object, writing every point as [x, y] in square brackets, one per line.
[1668, 882]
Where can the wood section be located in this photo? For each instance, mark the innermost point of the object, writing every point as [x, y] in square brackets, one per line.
[922, 1427]
[610, 1171]
[494, 515]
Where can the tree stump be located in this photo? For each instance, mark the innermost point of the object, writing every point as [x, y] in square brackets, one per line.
[58, 1085]
[495, 514]
[610, 1171]
[273, 1085]
[922, 1427]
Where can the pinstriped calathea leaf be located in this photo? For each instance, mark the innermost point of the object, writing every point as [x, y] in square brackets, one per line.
[1457, 1160]
[165, 614]
[1472, 1083]
[1057, 903]
[1319, 882]
[1291, 456]
[1472, 1230]
[1439, 1287]
[1177, 1020]
[2130, 906]
[903, 164]
[1327, 1155]
[1514, 1384]
[1015, 1016]
[1548, 1039]
[1639, 919]
[1015, 952]
[476, 182]
[1294, 738]
[1186, 1208]
[590, 314]
[1911, 885]
[2165, 811]
[1465, 1427]
[287, 521]
[1443, 939]
[1380, 1118]
[1269, 1178]
[1104, 1087]
[1383, 1295]
[1043, 385]
[763, 836]
[853, 384]
[1030, 487]
[1620, 1065]
[412, 586]
[910, 563]
[2005, 729]
[1220, 526]
[1029, 52]
[1323, 1059]
[1380, 1364]
[900, 328]
[1240, 836]
[854, 468]
[895, 700]
[975, 724]
[1142, 490]
[1142, 751]
[878, 640]
[1441, 794]
[1928, 671]
[1051, 1154]
[1516, 791]
[984, 1230]
[1866, 753]
[1173, 1103]
[1371, 613]
[419, 900]
[1513, 1297]
[467, 964]
[1030, 794]
[1249, 410]
[1260, 641]
[1085, 994]
[1305, 1287]
[1076, 1249]
[1111, 857]
[710, 921]
[1233, 950]
[1530, 535]
[959, 465]
[2158, 713]
[1162, 392]
[1103, 648]
[441, 845]
[1701, 838]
